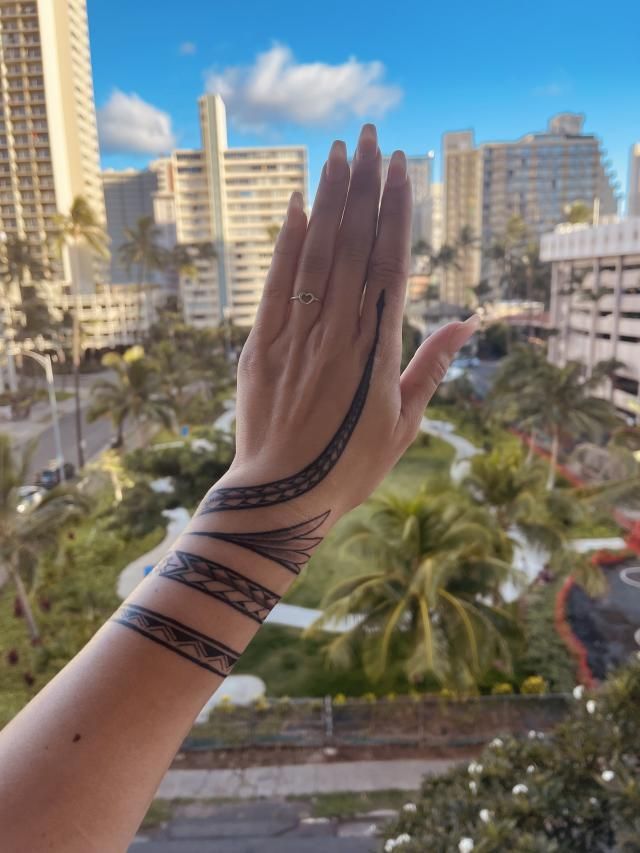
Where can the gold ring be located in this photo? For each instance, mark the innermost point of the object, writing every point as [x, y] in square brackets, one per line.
[305, 298]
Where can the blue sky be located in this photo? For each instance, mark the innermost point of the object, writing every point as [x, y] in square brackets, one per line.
[418, 70]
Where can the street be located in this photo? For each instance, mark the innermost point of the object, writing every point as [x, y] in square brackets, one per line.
[96, 436]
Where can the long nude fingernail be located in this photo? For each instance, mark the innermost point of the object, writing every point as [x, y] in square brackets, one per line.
[367, 143]
[337, 165]
[397, 174]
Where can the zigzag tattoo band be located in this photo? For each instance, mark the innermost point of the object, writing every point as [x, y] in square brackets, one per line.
[279, 491]
[290, 547]
[184, 641]
[220, 582]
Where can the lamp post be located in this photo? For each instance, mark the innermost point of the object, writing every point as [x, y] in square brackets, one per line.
[45, 362]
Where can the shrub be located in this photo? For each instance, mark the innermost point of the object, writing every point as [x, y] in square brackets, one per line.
[576, 790]
[502, 688]
[339, 699]
[534, 685]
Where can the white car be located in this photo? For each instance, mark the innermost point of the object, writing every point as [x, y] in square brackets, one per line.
[30, 498]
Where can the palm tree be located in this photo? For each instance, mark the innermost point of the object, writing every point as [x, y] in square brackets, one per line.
[572, 284]
[273, 229]
[594, 297]
[136, 393]
[517, 497]
[559, 401]
[25, 533]
[607, 369]
[79, 228]
[142, 250]
[432, 564]
[184, 257]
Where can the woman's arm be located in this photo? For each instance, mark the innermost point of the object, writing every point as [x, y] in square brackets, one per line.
[322, 415]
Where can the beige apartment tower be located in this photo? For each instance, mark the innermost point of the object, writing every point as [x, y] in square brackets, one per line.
[236, 199]
[48, 133]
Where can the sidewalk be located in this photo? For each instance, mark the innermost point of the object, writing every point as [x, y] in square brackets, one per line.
[299, 779]
[39, 420]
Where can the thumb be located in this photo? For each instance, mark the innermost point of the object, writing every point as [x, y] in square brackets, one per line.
[427, 369]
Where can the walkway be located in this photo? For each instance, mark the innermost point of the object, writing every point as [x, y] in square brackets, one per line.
[299, 779]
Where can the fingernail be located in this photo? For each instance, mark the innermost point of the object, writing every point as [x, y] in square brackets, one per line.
[367, 143]
[462, 333]
[397, 174]
[296, 202]
[473, 321]
[337, 161]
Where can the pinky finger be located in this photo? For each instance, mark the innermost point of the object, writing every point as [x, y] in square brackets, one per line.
[426, 370]
[278, 287]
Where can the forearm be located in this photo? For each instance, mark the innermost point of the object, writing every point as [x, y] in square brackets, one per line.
[119, 711]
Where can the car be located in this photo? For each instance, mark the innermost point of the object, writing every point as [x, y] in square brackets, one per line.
[30, 497]
[51, 477]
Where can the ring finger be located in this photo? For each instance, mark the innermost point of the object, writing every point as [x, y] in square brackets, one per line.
[316, 259]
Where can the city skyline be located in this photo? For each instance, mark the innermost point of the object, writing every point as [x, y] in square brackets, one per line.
[414, 82]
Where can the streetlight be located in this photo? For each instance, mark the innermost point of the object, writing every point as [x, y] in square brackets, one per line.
[45, 362]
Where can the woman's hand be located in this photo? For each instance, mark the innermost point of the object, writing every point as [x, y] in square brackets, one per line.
[323, 412]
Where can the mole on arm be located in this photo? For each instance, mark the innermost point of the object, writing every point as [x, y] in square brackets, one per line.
[76, 738]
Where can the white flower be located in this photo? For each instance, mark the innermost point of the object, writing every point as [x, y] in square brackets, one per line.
[531, 768]
[466, 845]
[496, 743]
[593, 801]
[405, 838]
[520, 789]
[410, 807]
[608, 775]
[532, 735]
[474, 768]
[485, 815]
[578, 691]
[389, 846]
[540, 735]
[591, 706]
[473, 787]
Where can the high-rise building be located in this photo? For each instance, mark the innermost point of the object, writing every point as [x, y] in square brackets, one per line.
[436, 204]
[419, 170]
[128, 197]
[633, 194]
[462, 203]
[48, 134]
[602, 320]
[236, 199]
[535, 178]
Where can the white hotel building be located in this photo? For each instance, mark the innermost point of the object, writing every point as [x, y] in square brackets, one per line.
[586, 260]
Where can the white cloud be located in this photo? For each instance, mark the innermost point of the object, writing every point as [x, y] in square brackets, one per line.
[277, 88]
[554, 89]
[188, 48]
[127, 124]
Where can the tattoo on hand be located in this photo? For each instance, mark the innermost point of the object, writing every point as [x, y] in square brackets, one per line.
[291, 547]
[179, 638]
[220, 582]
[279, 491]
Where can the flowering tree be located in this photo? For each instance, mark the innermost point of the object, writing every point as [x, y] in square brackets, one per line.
[575, 790]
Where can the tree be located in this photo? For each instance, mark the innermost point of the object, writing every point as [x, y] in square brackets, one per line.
[572, 283]
[607, 369]
[79, 228]
[559, 401]
[579, 212]
[142, 249]
[594, 297]
[24, 534]
[431, 563]
[411, 339]
[273, 229]
[184, 257]
[576, 790]
[134, 394]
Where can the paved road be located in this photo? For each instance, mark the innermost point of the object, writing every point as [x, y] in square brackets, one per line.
[482, 376]
[272, 826]
[96, 437]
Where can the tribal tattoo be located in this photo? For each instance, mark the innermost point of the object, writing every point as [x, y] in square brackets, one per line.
[220, 582]
[291, 547]
[279, 491]
[184, 641]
